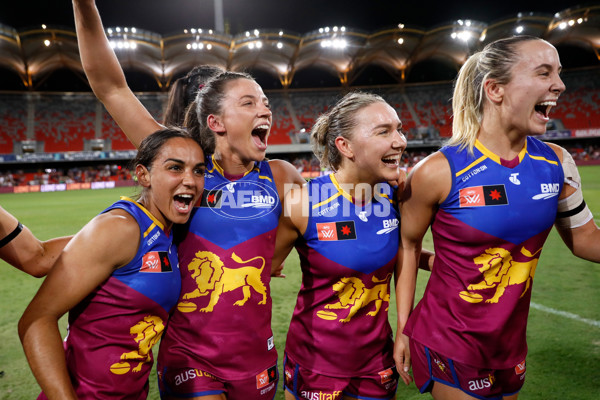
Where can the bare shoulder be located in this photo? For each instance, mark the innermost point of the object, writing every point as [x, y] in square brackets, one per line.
[432, 169]
[430, 179]
[285, 172]
[115, 234]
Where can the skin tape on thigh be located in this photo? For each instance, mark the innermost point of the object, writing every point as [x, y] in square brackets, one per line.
[572, 211]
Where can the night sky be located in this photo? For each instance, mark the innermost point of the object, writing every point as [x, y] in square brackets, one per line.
[302, 16]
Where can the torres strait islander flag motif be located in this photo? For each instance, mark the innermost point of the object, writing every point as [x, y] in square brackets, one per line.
[488, 235]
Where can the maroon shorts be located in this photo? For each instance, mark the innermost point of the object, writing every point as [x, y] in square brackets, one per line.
[489, 384]
[305, 384]
[192, 382]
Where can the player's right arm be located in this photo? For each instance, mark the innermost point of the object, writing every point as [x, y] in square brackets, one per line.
[426, 186]
[292, 223]
[106, 77]
[87, 261]
[23, 250]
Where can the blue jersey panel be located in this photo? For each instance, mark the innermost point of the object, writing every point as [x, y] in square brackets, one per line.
[482, 188]
[250, 203]
[154, 271]
[340, 230]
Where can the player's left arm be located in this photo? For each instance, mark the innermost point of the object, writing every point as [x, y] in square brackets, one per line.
[574, 221]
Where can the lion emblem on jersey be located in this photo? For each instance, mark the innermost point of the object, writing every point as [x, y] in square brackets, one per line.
[147, 333]
[353, 294]
[214, 278]
[499, 271]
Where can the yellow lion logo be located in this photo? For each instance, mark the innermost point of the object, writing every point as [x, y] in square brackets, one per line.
[213, 278]
[499, 271]
[353, 294]
[147, 333]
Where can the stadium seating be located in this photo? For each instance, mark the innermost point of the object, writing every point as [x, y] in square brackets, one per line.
[62, 122]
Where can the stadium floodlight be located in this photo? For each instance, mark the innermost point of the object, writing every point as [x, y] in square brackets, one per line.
[118, 29]
[280, 33]
[320, 30]
[193, 30]
[579, 20]
[258, 45]
[343, 29]
[44, 26]
[256, 32]
[571, 22]
[133, 30]
[247, 34]
[400, 41]
[562, 25]
[47, 43]
[209, 46]
[279, 45]
[401, 26]
[519, 29]
[109, 31]
[251, 45]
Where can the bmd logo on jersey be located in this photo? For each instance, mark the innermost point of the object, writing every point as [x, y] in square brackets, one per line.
[333, 231]
[548, 190]
[156, 261]
[480, 196]
[388, 226]
[241, 199]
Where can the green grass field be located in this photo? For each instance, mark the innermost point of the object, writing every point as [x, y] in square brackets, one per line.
[564, 325]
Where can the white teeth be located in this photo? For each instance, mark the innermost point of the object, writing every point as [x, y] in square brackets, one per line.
[186, 196]
[264, 126]
[547, 103]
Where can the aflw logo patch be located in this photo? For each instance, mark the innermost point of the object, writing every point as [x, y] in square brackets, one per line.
[343, 230]
[479, 196]
[156, 261]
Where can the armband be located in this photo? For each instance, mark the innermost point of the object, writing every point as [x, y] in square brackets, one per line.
[8, 238]
[572, 211]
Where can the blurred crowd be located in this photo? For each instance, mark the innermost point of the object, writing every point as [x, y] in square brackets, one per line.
[305, 163]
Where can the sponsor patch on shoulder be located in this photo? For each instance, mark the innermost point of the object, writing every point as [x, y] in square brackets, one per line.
[333, 231]
[480, 196]
[156, 261]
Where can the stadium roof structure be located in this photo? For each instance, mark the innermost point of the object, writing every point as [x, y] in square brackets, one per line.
[34, 54]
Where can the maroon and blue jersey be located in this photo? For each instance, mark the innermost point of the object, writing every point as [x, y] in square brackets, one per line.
[222, 323]
[111, 332]
[348, 254]
[487, 235]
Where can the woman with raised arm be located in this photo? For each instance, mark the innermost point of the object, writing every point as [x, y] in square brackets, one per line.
[219, 344]
[119, 279]
[491, 197]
